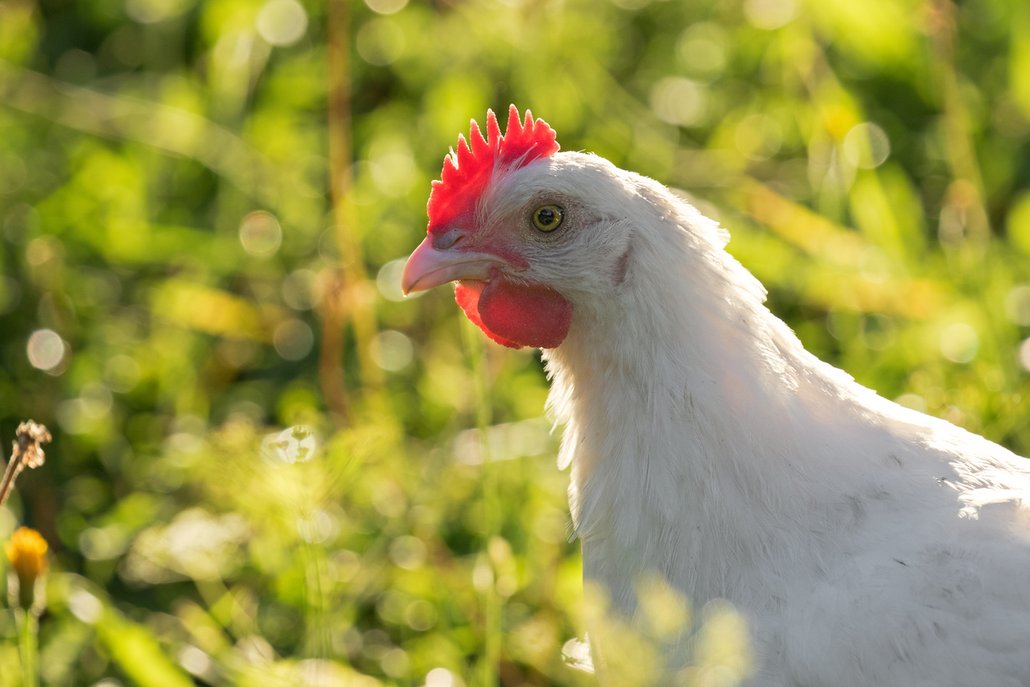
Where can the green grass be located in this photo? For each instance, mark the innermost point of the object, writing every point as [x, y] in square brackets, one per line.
[177, 286]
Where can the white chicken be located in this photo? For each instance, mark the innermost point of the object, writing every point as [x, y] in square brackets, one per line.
[864, 543]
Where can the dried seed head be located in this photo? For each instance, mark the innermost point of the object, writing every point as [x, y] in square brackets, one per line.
[28, 443]
[26, 452]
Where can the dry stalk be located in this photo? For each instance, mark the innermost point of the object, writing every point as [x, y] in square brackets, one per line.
[26, 452]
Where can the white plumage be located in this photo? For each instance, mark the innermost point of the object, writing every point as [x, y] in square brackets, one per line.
[864, 543]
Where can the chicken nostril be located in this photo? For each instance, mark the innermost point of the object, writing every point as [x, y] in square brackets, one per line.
[447, 239]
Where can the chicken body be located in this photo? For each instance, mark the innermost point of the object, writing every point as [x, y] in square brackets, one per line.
[864, 543]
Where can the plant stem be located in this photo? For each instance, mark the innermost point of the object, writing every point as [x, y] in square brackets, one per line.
[28, 631]
[346, 299]
[490, 504]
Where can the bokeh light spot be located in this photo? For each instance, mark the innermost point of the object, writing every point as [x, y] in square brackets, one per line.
[103, 543]
[395, 662]
[195, 661]
[866, 146]
[386, 6]
[85, 606]
[317, 527]
[408, 552]
[679, 101]
[770, 14]
[392, 350]
[420, 615]
[85, 413]
[388, 281]
[959, 342]
[1017, 304]
[282, 22]
[46, 349]
[293, 339]
[702, 49]
[392, 166]
[380, 42]
[1024, 354]
[441, 677]
[298, 289]
[40, 251]
[260, 234]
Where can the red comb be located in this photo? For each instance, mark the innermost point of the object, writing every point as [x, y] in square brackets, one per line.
[467, 171]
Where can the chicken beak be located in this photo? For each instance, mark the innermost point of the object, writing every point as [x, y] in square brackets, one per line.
[429, 266]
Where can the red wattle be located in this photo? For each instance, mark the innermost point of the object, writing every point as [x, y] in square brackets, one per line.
[467, 295]
[516, 315]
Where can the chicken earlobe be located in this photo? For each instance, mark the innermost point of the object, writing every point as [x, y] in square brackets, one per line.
[516, 315]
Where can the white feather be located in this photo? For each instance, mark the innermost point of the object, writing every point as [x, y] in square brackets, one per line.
[864, 543]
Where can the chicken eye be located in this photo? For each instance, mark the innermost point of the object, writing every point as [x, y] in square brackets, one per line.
[548, 217]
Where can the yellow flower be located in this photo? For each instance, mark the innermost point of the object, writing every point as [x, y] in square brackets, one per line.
[27, 552]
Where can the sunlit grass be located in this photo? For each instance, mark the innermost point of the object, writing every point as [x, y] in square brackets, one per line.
[272, 469]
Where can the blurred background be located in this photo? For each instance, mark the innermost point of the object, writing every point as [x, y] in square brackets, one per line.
[266, 466]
